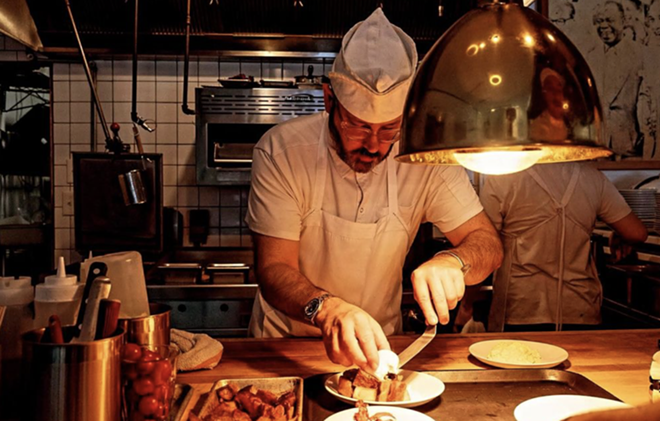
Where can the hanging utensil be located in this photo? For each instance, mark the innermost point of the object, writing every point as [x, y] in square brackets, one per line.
[112, 144]
[131, 184]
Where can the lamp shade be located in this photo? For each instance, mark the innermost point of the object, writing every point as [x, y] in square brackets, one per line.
[501, 90]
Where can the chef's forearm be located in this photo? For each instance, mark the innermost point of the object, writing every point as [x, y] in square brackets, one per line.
[286, 289]
[482, 250]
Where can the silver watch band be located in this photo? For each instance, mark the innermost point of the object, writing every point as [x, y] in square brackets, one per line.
[464, 267]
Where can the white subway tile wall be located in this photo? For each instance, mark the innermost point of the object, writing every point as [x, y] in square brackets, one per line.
[160, 94]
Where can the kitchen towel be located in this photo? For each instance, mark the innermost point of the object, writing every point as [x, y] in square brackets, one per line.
[196, 351]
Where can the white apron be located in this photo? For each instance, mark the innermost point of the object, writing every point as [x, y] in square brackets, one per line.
[546, 230]
[361, 263]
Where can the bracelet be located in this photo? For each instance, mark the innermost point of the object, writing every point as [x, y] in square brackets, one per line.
[464, 267]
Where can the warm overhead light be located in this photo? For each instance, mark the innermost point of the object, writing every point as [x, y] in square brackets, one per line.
[498, 162]
[495, 80]
[454, 115]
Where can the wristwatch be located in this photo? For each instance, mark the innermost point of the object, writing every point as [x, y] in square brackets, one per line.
[464, 267]
[313, 307]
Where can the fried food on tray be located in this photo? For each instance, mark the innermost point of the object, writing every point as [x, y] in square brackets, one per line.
[358, 384]
[229, 403]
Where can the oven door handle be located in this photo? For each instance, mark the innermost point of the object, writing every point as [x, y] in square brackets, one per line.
[232, 161]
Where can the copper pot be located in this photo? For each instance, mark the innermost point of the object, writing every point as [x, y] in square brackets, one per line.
[150, 330]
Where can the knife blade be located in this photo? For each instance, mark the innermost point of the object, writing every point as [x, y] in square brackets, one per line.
[419, 344]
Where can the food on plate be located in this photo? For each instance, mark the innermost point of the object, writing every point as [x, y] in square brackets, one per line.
[514, 353]
[229, 403]
[362, 414]
[358, 384]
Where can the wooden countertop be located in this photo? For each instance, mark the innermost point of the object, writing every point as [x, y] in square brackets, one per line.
[616, 360]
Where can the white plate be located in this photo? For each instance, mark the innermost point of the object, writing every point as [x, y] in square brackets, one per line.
[551, 355]
[421, 389]
[401, 414]
[559, 407]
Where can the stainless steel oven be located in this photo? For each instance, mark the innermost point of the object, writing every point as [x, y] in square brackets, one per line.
[229, 122]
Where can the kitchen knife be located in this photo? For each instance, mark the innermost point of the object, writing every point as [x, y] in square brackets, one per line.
[100, 290]
[419, 344]
[426, 338]
[96, 269]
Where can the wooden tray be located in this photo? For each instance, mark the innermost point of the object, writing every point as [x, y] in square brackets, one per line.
[473, 395]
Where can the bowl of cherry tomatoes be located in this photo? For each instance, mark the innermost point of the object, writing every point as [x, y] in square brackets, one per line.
[148, 378]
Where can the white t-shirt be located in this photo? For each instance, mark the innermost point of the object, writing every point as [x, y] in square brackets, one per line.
[284, 170]
[527, 216]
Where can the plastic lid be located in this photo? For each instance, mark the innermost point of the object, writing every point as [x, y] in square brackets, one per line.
[15, 292]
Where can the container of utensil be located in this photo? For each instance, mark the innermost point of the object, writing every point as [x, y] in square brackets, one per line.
[71, 381]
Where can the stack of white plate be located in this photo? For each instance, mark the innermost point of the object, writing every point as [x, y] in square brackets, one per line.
[643, 203]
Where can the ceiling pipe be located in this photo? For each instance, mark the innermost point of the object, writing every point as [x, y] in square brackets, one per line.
[135, 117]
[186, 63]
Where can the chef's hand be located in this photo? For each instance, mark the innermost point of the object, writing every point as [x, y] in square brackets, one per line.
[350, 335]
[438, 285]
[619, 250]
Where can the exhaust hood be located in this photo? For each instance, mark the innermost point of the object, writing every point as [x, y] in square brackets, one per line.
[233, 25]
[16, 22]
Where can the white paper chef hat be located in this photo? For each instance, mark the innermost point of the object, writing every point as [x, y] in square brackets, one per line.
[374, 69]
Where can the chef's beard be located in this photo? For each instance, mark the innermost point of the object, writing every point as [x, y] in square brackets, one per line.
[352, 158]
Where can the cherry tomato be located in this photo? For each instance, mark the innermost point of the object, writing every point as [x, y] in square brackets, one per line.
[132, 352]
[162, 372]
[148, 355]
[160, 392]
[161, 412]
[148, 405]
[143, 386]
[145, 367]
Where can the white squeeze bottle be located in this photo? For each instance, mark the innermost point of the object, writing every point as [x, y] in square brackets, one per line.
[59, 294]
[17, 294]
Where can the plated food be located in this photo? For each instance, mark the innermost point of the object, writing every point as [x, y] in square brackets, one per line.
[560, 407]
[514, 352]
[420, 388]
[509, 353]
[358, 384]
[379, 413]
[277, 399]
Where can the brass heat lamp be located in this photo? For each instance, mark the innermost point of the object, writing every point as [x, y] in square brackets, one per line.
[501, 90]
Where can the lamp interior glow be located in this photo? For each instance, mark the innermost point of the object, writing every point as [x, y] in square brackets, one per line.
[498, 162]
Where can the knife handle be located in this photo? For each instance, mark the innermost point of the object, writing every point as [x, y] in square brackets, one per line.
[108, 318]
[100, 290]
[53, 332]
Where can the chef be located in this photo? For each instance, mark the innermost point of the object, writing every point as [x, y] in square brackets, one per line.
[333, 214]
[545, 215]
